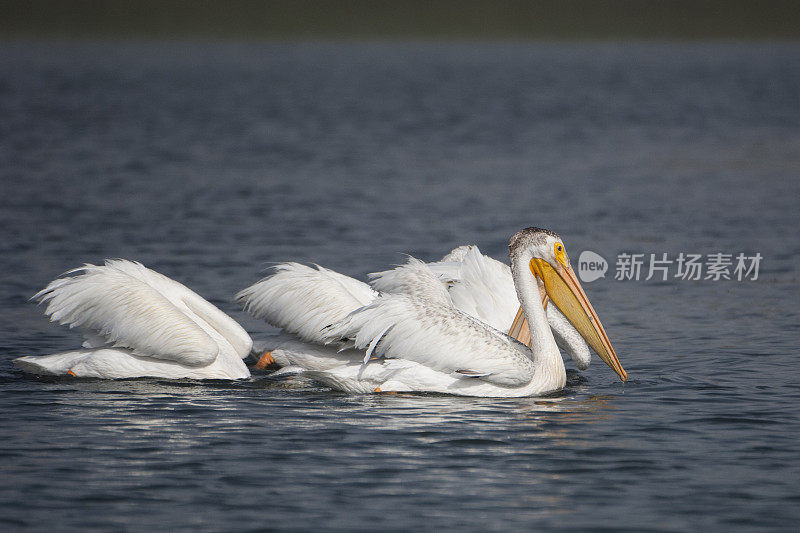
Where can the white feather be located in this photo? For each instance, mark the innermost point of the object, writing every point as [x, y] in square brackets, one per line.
[355, 378]
[415, 279]
[374, 342]
[139, 323]
[483, 288]
[304, 300]
[288, 351]
[120, 363]
[438, 337]
[120, 303]
[456, 255]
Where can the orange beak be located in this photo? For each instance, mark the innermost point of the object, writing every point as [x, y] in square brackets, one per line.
[565, 291]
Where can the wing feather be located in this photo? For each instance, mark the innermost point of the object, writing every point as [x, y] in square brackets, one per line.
[415, 279]
[216, 319]
[120, 303]
[439, 337]
[303, 300]
[484, 289]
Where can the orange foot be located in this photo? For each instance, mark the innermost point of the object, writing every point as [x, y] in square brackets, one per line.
[265, 360]
[71, 373]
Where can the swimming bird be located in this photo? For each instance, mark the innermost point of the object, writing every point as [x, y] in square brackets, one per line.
[483, 287]
[420, 341]
[139, 323]
[302, 300]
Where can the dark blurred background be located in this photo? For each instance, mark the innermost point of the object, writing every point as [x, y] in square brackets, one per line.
[539, 19]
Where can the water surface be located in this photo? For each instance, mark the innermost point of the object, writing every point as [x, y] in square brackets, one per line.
[208, 163]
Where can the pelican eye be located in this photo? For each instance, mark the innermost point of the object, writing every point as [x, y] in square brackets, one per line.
[560, 254]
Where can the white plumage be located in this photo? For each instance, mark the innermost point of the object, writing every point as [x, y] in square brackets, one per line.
[476, 284]
[483, 287]
[435, 327]
[137, 323]
[431, 334]
[413, 279]
[303, 300]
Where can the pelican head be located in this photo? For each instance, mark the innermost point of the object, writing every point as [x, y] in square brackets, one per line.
[544, 254]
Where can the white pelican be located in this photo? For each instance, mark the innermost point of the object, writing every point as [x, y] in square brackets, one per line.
[139, 323]
[483, 288]
[303, 300]
[425, 343]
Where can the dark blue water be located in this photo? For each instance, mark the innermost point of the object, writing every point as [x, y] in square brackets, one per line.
[208, 162]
